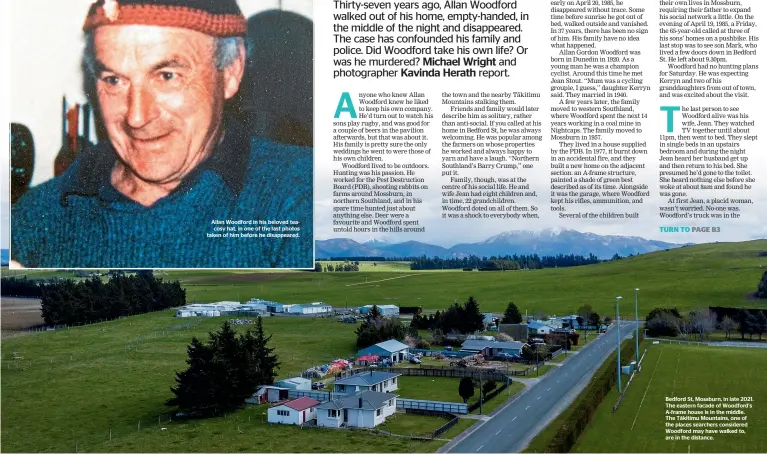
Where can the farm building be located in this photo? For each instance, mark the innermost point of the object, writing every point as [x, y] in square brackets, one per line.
[364, 409]
[268, 394]
[312, 308]
[534, 328]
[296, 383]
[387, 310]
[268, 306]
[492, 348]
[392, 349]
[296, 411]
[367, 381]
[208, 309]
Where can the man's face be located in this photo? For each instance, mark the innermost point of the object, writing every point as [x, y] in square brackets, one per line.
[161, 97]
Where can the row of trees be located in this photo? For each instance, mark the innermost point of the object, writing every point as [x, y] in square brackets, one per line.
[506, 262]
[21, 287]
[69, 302]
[338, 267]
[703, 321]
[463, 319]
[224, 372]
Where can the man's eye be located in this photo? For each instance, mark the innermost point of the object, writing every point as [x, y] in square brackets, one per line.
[168, 75]
[111, 80]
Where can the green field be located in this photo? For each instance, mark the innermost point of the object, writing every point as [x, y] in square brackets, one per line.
[672, 370]
[77, 384]
[712, 274]
[723, 274]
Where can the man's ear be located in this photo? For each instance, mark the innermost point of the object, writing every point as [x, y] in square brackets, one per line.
[233, 73]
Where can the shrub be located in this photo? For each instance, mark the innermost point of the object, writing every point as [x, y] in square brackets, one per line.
[422, 344]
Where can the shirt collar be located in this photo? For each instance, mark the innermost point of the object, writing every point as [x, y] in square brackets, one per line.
[91, 171]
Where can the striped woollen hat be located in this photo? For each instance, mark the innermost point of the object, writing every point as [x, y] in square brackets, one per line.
[219, 18]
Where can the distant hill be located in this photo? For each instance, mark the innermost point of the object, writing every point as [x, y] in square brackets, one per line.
[551, 241]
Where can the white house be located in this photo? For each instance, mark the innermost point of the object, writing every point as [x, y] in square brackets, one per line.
[296, 411]
[392, 349]
[384, 382]
[538, 328]
[312, 308]
[296, 383]
[364, 409]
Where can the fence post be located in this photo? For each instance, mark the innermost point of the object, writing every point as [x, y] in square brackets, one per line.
[110, 434]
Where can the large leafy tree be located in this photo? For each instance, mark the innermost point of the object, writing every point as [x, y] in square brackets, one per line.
[466, 388]
[512, 314]
[375, 328]
[224, 372]
[584, 313]
[595, 319]
[761, 289]
[760, 324]
[473, 319]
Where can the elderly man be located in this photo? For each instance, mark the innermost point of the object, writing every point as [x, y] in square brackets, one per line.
[179, 184]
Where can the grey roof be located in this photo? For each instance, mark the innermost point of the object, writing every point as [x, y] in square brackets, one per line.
[392, 345]
[366, 378]
[482, 344]
[539, 325]
[371, 400]
[295, 380]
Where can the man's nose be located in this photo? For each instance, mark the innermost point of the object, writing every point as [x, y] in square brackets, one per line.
[142, 107]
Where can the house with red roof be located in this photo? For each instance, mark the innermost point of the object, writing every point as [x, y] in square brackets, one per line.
[296, 411]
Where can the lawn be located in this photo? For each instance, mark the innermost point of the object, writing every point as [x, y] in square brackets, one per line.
[408, 423]
[585, 338]
[446, 390]
[560, 358]
[711, 274]
[671, 370]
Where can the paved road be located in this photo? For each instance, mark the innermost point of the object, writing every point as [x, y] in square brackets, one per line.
[512, 428]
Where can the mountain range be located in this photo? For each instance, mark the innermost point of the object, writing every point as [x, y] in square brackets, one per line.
[551, 241]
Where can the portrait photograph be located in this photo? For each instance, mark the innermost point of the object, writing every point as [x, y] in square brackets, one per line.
[161, 134]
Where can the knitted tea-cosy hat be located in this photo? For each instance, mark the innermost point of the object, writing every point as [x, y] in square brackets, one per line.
[219, 18]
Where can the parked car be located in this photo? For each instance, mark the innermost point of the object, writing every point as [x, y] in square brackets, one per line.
[449, 348]
[318, 385]
[415, 360]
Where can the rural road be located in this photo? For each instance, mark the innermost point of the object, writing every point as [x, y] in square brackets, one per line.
[513, 427]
